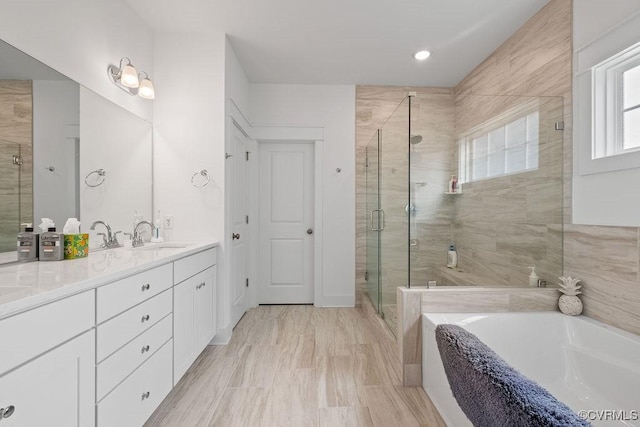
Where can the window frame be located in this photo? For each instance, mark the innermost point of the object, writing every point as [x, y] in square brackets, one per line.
[607, 103]
[466, 140]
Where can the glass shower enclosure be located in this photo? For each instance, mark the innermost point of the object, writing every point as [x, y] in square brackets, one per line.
[507, 153]
[387, 176]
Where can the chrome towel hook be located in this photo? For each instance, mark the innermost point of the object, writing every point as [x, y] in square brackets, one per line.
[100, 177]
[204, 181]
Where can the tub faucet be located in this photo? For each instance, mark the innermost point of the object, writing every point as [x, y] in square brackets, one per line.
[542, 283]
[137, 236]
[110, 240]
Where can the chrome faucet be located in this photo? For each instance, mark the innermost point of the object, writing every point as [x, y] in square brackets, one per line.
[110, 240]
[137, 236]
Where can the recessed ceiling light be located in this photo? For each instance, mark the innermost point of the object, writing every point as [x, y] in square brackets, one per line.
[422, 55]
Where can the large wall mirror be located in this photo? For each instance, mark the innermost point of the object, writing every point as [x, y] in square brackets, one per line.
[54, 134]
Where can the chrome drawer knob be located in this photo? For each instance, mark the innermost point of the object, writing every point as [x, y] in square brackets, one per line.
[145, 318]
[145, 395]
[146, 287]
[145, 349]
[7, 412]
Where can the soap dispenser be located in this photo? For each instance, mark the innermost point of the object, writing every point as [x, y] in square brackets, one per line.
[533, 277]
[157, 231]
[452, 257]
[51, 245]
[27, 244]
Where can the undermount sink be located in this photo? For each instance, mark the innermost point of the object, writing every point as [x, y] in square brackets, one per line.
[160, 246]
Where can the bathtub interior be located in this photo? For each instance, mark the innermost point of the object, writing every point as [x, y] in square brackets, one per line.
[583, 363]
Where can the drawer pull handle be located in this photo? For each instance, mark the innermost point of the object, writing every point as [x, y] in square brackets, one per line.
[201, 285]
[146, 287]
[145, 349]
[7, 412]
[145, 395]
[145, 318]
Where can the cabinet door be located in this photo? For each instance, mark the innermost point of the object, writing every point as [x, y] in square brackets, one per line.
[205, 313]
[183, 330]
[56, 389]
[194, 319]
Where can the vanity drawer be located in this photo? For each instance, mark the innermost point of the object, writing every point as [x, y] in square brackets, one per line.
[194, 264]
[119, 296]
[26, 335]
[120, 330]
[133, 401]
[120, 364]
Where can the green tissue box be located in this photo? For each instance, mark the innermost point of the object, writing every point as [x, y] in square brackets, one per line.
[76, 246]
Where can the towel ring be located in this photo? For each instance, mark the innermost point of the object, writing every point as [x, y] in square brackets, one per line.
[206, 176]
[101, 173]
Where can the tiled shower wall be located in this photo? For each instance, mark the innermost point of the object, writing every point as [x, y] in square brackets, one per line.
[506, 224]
[535, 61]
[16, 186]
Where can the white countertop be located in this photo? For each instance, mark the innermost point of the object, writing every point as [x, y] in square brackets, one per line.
[27, 285]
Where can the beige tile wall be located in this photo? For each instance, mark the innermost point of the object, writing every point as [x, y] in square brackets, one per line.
[504, 225]
[537, 61]
[16, 135]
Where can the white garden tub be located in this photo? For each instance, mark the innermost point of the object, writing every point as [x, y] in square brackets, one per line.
[587, 365]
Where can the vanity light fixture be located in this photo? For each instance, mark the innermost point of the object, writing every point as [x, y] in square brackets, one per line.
[422, 55]
[127, 78]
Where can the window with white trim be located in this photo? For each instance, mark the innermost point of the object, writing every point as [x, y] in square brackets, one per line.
[505, 145]
[616, 104]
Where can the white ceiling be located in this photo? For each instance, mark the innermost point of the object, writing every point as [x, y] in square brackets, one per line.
[349, 41]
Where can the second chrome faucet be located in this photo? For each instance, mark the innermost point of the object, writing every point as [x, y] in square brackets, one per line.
[137, 239]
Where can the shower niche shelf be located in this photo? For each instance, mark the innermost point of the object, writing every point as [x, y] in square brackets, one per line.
[453, 193]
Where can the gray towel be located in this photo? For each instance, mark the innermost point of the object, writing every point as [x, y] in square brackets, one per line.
[492, 393]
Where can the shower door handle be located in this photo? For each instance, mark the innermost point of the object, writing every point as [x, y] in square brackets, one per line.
[371, 227]
[380, 220]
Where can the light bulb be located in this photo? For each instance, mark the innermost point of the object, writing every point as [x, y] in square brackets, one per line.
[422, 55]
[129, 76]
[146, 90]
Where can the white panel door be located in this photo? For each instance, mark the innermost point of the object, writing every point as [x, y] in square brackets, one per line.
[286, 223]
[238, 162]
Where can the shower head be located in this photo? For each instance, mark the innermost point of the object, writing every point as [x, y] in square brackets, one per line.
[415, 139]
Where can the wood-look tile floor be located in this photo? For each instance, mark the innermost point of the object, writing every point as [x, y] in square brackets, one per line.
[299, 366]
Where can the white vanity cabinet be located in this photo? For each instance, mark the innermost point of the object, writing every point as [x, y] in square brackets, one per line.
[194, 308]
[47, 374]
[110, 353]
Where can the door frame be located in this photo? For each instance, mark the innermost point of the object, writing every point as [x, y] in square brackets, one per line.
[255, 135]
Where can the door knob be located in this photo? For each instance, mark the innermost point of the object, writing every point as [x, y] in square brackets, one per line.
[310, 231]
[235, 236]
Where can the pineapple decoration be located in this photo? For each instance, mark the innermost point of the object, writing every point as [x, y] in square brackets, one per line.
[569, 303]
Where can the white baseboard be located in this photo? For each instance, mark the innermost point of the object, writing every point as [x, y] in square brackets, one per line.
[338, 301]
[223, 336]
